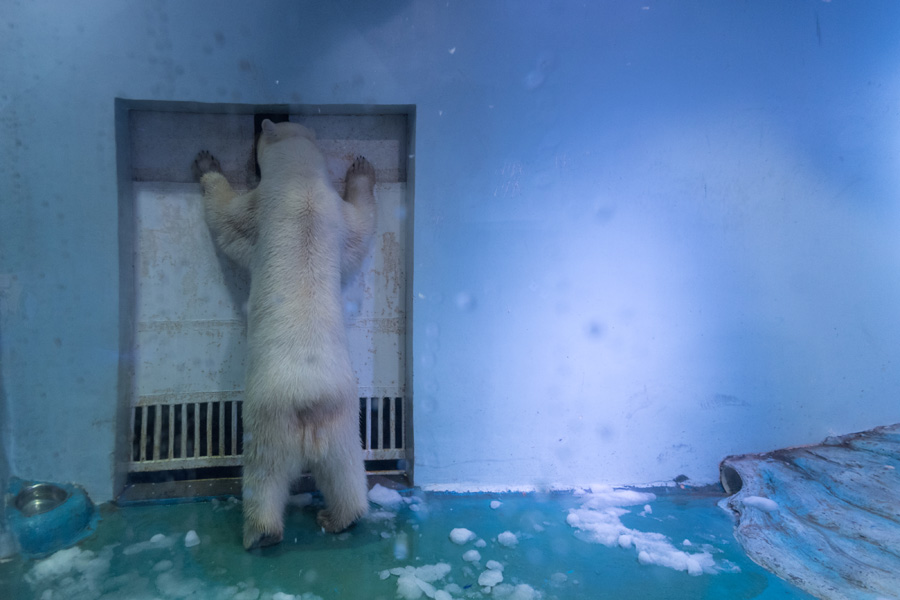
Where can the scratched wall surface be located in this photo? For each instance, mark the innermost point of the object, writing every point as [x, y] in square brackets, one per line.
[190, 299]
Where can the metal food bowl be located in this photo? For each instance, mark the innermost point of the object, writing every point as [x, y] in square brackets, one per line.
[39, 498]
[46, 517]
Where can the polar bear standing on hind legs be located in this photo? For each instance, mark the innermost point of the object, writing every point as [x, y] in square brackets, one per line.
[300, 240]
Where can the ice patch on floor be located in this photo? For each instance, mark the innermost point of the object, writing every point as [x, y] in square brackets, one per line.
[157, 542]
[472, 556]
[227, 504]
[163, 565]
[605, 497]
[73, 562]
[461, 535]
[415, 582]
[598, 521]
[300, 500]
[191, 539]
[480, 488]
[385, 497]
[489, 578]
[523, 591]
[380, 515]
[76, 574]
[558, 578]
[173, 586]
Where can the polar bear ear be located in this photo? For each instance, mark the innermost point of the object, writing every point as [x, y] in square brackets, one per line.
[268, 128]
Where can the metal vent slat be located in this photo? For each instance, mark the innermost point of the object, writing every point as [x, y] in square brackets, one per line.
[172, 436]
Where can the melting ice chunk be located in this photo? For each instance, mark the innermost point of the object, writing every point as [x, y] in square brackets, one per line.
[523, 591]
[508, 539]
[413, 582]
[472, 556]
[385, 497]
[461, 536]
[191, 539]
[490, 578]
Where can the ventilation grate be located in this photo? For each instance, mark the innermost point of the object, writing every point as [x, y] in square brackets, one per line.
[189, 435]
[178, 436]
[382, 428]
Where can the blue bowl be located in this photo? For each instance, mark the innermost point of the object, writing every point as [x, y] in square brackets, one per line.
[46, 517]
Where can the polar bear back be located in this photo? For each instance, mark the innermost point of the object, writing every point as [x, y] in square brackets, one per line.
[295, 311]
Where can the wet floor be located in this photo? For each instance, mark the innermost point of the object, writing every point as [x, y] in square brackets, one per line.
[669, 545]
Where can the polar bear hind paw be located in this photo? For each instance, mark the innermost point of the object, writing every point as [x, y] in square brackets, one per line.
[260, 539]
[329, 522]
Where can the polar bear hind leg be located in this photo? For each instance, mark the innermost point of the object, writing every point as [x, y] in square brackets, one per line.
[270, 465]
[340, 475]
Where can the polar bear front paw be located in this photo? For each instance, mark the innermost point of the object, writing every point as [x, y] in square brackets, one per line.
[205, 163]
[361, 168]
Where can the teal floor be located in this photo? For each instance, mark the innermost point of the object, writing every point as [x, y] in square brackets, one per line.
[139, 552]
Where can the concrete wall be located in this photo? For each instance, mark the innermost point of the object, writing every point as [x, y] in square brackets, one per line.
[647, 235]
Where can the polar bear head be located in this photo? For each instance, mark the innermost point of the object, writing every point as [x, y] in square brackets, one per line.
[291, 142]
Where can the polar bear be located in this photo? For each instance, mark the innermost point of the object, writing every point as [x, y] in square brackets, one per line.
[300, 240]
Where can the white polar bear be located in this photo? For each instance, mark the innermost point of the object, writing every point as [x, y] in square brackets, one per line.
[299, 240]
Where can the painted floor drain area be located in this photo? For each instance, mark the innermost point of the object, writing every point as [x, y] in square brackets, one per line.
[658, 544]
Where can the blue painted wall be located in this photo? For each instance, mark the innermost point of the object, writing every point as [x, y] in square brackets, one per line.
[647, 234]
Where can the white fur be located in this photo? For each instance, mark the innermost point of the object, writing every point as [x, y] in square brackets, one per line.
[299, 240]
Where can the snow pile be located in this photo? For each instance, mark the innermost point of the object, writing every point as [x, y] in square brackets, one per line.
[461, 536]
[415, 582]
[597, 521]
